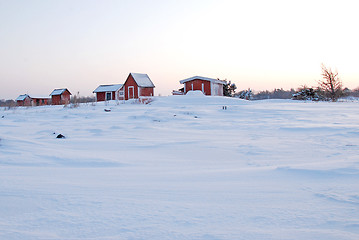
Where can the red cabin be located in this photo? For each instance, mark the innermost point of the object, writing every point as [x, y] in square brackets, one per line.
[109, 92]
[60, 96]
[23, 100]
[26, 100]
[39, 101]
[138, 86]
[209, 86]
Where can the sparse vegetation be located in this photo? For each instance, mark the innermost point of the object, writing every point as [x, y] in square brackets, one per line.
[76, 99]
[7, 103]
[331, 85]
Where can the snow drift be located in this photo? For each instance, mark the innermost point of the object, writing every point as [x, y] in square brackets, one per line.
[181, 167]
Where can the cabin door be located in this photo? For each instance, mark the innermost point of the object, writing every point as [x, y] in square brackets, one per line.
[131, 92]
[108, 96]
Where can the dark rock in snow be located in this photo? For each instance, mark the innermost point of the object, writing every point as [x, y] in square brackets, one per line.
[60, 136]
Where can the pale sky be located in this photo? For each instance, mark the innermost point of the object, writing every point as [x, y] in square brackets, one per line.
[80, 44]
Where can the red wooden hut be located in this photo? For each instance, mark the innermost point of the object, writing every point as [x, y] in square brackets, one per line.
[209, 86]
[40, 101]
[60, 96]
[23, 100]
[109, 92]
[138, 86]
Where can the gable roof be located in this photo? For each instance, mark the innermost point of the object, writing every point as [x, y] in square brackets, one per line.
[22, 97]
[59, 91]
[108, 88]
[142, 80]
[203, 78]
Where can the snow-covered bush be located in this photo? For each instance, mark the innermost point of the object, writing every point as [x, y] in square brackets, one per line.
[229, 89]
[245, 94]
[307, 94]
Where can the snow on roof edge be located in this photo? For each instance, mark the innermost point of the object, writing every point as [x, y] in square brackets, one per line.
[203, 78]
[142, 79]
[22, 97]
[59, 91]
[108, 88]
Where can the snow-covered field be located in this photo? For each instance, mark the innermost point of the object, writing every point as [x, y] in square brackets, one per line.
[181, 167]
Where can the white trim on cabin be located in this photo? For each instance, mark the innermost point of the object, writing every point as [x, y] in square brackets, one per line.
[108, 88]
[203, 78]
[133, 92]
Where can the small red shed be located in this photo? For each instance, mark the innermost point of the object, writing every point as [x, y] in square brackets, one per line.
[26, 100]
[23, 100]
[209, 86]
[40, 101]
[109, 92]
[138, 86]
[60, 96]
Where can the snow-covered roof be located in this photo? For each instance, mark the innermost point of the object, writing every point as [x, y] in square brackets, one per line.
[108, 88]
[40, 97]
[203, 78]
[142, 80]
[59, 91]
[22, 97]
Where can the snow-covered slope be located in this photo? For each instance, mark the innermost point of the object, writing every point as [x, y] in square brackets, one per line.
[181, 167]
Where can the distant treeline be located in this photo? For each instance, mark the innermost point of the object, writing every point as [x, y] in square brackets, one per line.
[277, 93]
[74, 100]
[280, 93]
[7, 103]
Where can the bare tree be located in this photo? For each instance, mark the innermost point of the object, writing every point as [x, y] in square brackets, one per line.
[330, 84]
